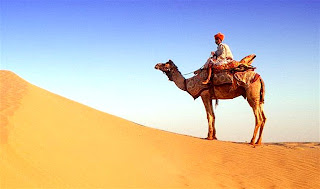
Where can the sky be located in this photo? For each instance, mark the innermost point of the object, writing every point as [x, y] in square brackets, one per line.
[102, 53]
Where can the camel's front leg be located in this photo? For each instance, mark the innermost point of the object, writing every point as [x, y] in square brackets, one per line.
[206, 99]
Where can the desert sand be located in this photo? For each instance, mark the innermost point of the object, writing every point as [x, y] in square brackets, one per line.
[48, 141]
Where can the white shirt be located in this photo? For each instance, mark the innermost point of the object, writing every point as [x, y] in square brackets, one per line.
[223, 51]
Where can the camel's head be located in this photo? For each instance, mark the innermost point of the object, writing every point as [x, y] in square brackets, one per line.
[167, 68]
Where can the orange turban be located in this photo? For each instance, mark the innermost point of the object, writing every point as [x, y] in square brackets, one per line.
[219, 36]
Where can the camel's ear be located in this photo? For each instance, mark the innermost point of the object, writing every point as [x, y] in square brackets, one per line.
[170, 61]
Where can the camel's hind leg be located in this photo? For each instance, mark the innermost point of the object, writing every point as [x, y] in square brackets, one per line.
[264, 119]
[259, 120]
[255, 95]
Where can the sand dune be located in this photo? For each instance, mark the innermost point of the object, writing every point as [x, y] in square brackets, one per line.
[48, 141]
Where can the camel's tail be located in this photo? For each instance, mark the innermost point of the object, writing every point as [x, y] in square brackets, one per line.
[262, 91]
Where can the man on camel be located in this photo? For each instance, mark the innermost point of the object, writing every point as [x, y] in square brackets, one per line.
[221, 56]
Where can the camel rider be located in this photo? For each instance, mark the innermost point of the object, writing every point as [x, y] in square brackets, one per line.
[221, 56]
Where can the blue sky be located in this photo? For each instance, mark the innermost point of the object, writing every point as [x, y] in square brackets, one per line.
[102, 53]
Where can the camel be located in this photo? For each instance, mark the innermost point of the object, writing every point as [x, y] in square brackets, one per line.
[254, 93]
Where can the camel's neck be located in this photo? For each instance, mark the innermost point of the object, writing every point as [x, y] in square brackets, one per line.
[179, 80]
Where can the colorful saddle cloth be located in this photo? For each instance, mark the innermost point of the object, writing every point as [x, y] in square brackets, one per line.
[222, 78]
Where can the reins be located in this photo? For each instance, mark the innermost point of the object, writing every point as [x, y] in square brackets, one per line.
[193, 71]
[188, 73]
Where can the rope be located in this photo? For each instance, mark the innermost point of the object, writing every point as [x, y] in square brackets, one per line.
[200, 68]
[193, 71]
[188, 73]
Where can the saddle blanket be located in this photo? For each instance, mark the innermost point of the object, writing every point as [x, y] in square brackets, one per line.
[244, 79]
[194, 84]
[222, 78]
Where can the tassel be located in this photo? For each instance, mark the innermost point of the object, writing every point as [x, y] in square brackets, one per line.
[217, 103]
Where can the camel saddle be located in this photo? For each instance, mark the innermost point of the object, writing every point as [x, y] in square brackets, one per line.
[242, 73]
[246, 61]
[224, 74]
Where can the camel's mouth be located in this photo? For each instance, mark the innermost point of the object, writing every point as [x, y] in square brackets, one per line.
[157, 66]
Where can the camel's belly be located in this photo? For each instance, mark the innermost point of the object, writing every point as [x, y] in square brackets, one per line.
[228, 91]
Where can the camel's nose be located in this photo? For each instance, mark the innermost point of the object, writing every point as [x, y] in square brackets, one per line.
[157, 66]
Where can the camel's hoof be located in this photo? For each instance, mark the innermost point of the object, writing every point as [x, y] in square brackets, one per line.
[255, 144]
[211, 138]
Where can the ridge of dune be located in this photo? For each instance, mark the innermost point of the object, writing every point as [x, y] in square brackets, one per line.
[48, 141]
